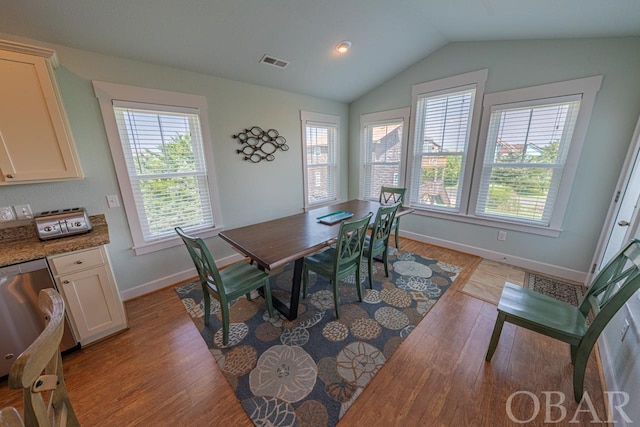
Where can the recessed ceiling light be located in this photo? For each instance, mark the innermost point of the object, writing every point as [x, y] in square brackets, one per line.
[343, 46]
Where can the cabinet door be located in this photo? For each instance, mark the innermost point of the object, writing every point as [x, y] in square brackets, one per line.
[93, 304]
[35, 141]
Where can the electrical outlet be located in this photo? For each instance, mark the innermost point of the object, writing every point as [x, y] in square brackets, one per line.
[502, 235]
[624, 330]
[112, 201]
[23, 211]
[6, 214]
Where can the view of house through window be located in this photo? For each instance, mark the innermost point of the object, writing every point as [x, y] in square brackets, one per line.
[167, 169]
[320, 157]
[516, 165]
[382, 147]
[525, 154]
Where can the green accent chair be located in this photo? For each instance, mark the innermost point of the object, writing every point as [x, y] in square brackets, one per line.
[609, 291]
[340, 261]
[378, 242]
[391, 195]
[224, 285]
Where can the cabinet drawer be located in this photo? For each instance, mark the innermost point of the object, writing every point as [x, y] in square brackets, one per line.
[76, 261]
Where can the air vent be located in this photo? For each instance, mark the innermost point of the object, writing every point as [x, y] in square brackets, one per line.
[270, 60]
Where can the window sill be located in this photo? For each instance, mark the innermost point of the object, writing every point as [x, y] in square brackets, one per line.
[170, 242]
[531, 229]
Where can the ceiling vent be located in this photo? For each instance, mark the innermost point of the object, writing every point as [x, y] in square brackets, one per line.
[270, 60]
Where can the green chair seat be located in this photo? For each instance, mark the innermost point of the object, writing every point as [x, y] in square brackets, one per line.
[609, 291]
[224, 285]
[555, 318]
[341, 260]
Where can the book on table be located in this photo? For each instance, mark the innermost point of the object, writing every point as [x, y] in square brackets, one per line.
[334, 217]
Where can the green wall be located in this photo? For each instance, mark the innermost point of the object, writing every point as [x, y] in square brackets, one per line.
[517, 64]
[249, 192]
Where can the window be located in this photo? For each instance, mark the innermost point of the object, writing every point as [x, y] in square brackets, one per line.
[161, 162]
[520, 171]
[382, 148]
[320, 139]
[530, 144]
[446, 126]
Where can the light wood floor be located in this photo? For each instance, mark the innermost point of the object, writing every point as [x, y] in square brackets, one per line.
[161, 373]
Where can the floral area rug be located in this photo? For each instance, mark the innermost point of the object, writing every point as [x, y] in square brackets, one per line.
[571, 293]
[309, 371]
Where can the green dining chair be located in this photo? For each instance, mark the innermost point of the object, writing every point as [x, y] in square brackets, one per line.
[609, 291]
[340, 261]
[224, 285]
[378, 242]
[390, 195]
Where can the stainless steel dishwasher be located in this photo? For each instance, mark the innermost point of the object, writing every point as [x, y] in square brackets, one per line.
[20, 317]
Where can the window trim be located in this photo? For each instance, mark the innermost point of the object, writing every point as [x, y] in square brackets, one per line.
[402, 114]
[588, 87]
[109, 92]
[476, 78]
[329, 120]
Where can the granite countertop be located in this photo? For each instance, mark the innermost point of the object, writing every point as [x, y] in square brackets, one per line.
[21, 244]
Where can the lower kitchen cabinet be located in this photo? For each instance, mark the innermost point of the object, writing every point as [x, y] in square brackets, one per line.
[89, 289]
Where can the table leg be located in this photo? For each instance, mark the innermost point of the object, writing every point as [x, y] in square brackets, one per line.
[290, 312]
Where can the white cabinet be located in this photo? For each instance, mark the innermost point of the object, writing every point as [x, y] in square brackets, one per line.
[86, 282]
[36, 144]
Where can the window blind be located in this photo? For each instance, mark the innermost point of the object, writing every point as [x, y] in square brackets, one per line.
[443, 123]
[525, 155]
[321, 162]
[382, 156]
[165, 160]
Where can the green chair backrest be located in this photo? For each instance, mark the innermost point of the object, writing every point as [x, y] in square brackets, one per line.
[612, 287]
[383, 224]
[207, 269]
[391, 195]
[351, 241]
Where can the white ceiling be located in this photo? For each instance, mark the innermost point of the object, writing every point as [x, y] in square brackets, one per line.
[227, 38]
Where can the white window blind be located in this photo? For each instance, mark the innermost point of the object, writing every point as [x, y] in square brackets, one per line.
[165, 160]
[525, 155]
[383, 139]
[441, 141]
[320, 140]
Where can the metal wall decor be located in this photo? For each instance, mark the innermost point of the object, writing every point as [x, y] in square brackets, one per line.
[258, 144]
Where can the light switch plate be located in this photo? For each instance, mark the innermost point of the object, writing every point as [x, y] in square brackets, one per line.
[6, 214]
[112, 201]
[23, 211]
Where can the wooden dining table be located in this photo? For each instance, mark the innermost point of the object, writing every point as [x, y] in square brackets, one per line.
[276, 243]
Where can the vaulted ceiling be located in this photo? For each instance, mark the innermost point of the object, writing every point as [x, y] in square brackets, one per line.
[227, 38]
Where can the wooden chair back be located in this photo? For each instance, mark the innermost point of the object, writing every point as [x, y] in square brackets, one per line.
[38, 371]
[351, 242]
[382, 225]
[208, 272]
[612, 287]
[390, 195]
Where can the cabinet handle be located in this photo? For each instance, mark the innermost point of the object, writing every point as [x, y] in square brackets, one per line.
[78, 262]
[66, 282]
[10, 176]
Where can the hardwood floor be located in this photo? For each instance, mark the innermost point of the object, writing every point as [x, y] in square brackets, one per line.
[160, 372]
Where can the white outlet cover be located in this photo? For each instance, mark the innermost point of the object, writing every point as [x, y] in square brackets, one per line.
[6, 214]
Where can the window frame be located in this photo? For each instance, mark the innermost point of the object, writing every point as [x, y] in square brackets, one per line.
[107, 93]
[381, 118]
[329, 120]
[588, 88]
[452, 84]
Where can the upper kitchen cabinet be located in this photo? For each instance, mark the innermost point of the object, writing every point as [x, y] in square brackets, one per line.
[36, 144]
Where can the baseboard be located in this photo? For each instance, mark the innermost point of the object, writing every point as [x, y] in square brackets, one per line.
[549, 269]
[172, 279]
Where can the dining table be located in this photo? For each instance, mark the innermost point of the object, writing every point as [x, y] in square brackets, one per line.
[275, 243]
